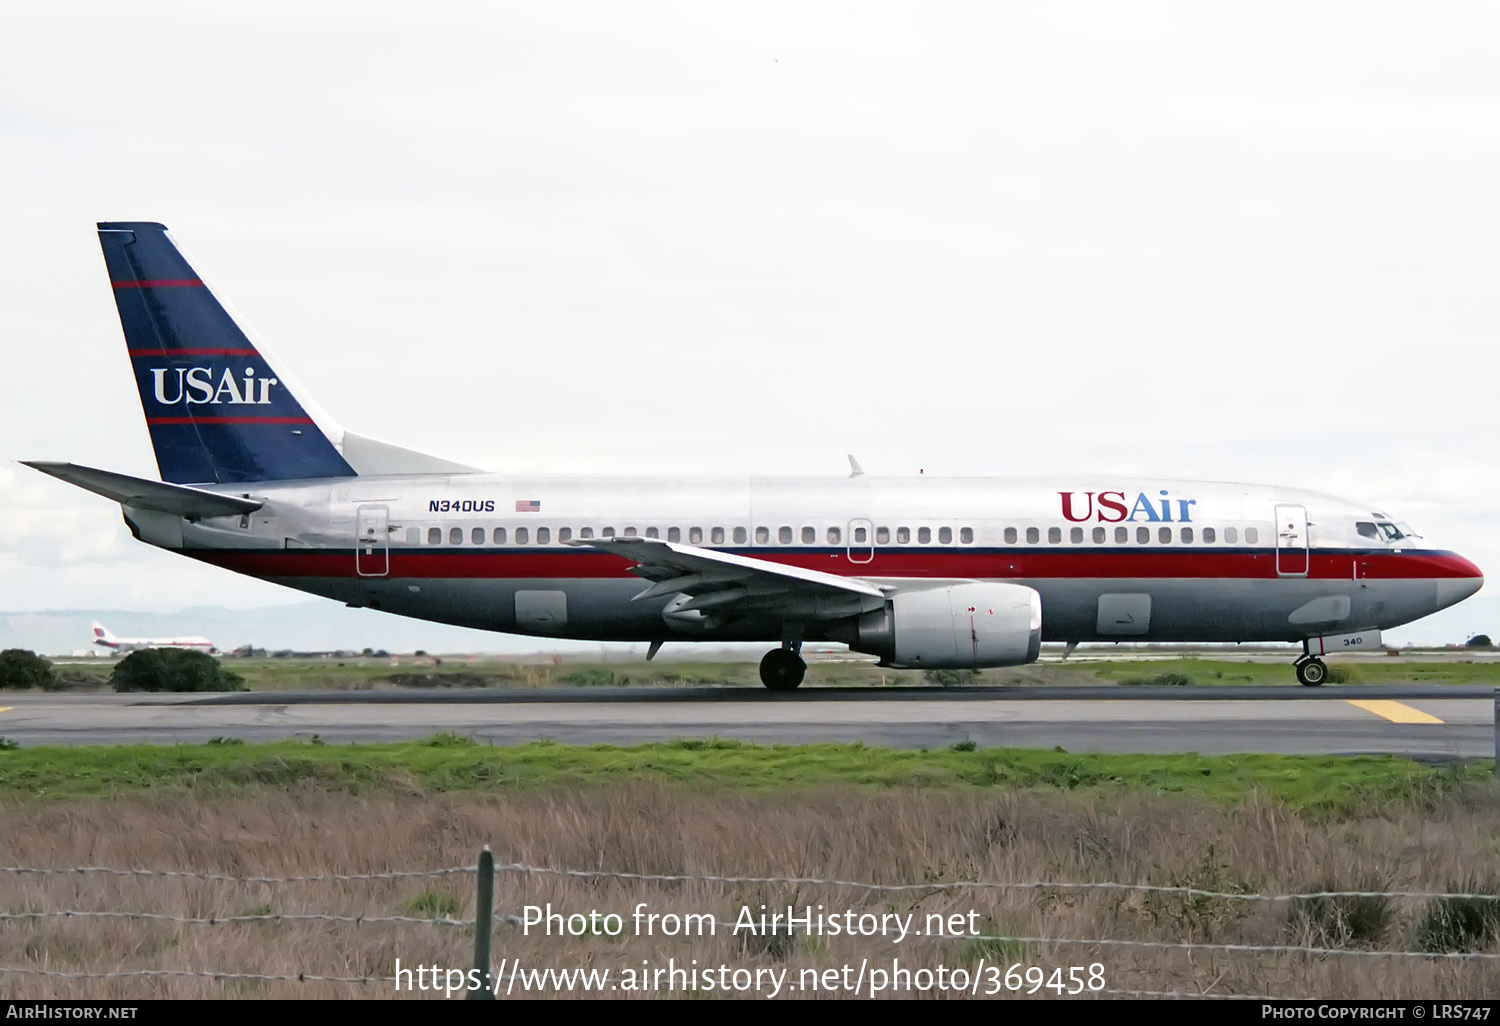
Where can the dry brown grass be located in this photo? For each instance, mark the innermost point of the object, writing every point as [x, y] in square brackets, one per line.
[891, 837]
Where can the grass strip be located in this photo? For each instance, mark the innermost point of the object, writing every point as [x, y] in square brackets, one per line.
[447, 763]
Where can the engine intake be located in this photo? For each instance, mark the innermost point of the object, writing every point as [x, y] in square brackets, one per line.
[963, 626]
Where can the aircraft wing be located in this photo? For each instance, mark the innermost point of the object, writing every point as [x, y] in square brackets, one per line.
[143, 494]
[725, 584]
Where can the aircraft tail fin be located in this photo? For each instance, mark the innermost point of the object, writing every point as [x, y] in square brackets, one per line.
[102, 636]
[218, 410]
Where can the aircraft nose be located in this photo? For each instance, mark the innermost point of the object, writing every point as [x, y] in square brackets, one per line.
[1456, 589]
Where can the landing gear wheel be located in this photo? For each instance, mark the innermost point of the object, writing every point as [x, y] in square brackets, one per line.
[1312, 672]
[782, 670]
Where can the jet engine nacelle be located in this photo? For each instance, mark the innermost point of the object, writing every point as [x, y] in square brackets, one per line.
[963, 626]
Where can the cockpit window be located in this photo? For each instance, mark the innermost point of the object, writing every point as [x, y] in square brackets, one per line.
[1390, 532]
[1367, 530]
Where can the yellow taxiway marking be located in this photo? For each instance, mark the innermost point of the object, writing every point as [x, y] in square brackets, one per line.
[1396, 712]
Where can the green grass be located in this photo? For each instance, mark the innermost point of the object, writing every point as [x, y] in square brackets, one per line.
[447, 763]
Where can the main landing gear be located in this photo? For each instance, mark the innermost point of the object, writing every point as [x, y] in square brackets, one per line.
[782, 668]
[1311, 670]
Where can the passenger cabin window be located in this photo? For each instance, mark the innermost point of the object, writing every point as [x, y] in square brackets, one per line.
[1367, 530]
[903, 535]
[762, 536]
[945, 535]
[924, 536]
[1164, 535]
[564, 534]
[521, 536]
[1033, 536]
[834, 534]
[1010, 536]
[608, 532]
[455, 536]
[1231, 535]
[585, 532]
[882, 536]
[860, 534]
[740, 536]
[477, 536]
[1251, 536]
[1054, 535]
[1208, 536]
[809, 535]
[1187, 535]
[1121, 536]
[652, 532]
[499, 535]
[966, 535]
[434, 536]
[543, 535]
[784, 535]
[1098, 536]
[716, 536]
[630, 532]
[1143, 535]
[695, 535]
[1076, 536]
[674, 534]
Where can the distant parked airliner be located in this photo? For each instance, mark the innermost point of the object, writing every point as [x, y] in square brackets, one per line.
[104, 639]
[920, 571]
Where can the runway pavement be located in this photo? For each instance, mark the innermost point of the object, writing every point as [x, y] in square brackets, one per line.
[1425, 721]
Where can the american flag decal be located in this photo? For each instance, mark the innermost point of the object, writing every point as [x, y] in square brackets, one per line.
[528, 506]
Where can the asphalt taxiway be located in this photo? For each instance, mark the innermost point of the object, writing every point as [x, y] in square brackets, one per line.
[1423, 721]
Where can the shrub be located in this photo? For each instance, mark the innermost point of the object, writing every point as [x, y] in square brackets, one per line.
[22, 668]
[588, 677]
[1171, 679]
[1343, 673]
[950, 678]
[433, 904]
[1460, 923]
[168, 669]
[1343, 921]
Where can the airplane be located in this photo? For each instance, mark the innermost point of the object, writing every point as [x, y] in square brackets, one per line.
[922, 572]
[120, 646]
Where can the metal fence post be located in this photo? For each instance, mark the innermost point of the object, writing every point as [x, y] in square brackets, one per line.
[484, 920]
[1497, 733]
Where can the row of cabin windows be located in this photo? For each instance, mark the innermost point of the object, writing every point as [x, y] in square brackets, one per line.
[695, 535]
[1100, 535]
[859, 536]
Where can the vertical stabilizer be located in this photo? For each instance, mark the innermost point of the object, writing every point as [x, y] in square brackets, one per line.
[217, 410]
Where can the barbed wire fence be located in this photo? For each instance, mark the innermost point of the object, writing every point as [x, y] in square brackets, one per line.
[488, 920]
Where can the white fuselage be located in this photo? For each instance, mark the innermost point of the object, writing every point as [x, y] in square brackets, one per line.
[1113, 560]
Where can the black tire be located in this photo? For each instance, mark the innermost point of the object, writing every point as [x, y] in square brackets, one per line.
[1312, 672]
[781, 670]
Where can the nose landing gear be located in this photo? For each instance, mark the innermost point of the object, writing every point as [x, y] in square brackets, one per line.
[1311, 671]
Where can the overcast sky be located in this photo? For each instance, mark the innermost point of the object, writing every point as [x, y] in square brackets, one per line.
[1222, 240]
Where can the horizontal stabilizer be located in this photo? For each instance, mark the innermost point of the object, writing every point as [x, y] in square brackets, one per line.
[153, 495]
